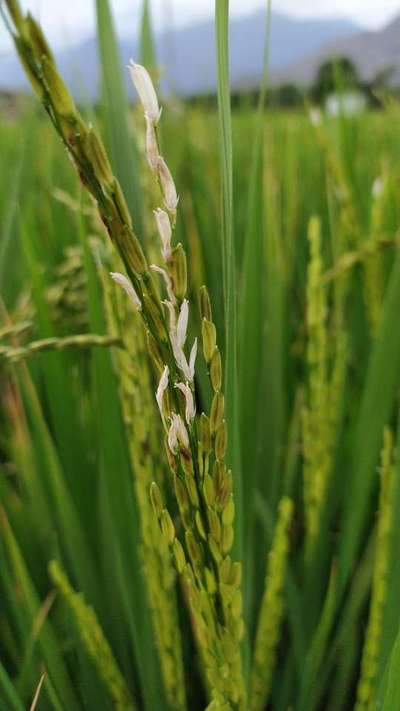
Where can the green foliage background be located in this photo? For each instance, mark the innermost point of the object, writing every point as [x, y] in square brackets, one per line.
[67, 484]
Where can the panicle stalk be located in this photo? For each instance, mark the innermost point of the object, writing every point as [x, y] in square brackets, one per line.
[202, 484]
[370, 656]
[201, 542]
[323, 392]
[143, 435]
[94, 640]
[271, 612]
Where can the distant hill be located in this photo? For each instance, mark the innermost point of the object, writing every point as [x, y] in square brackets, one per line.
[187, 57]
[371, 52]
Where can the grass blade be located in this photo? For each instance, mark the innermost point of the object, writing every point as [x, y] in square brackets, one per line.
[148, 56]
[10, 696]
[115, 108]
[229, 261]
[251, 315]
[375, 412]
[390, 696]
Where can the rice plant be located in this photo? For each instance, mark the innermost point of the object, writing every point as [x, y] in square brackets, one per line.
[199, 384]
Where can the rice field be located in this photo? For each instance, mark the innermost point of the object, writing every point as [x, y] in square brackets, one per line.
[199, 471]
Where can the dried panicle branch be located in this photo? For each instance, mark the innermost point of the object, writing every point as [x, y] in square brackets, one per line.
[15, 329]
[9, 354]
[35, 699]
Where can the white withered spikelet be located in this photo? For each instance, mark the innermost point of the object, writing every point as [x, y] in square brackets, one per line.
[124, 282]
[181, 361]
[145, 89]
[178, 339]
[177, 434]
[181, 328]
[165, 231]
[151, 144]
[168, 186]
[190, 409]
[192, 361]
[378, 187]
[162, 387]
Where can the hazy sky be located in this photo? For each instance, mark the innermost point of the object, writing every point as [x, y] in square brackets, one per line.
[68, 20]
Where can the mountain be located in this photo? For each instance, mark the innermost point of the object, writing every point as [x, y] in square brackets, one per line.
[371, 52]
[187, 56]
